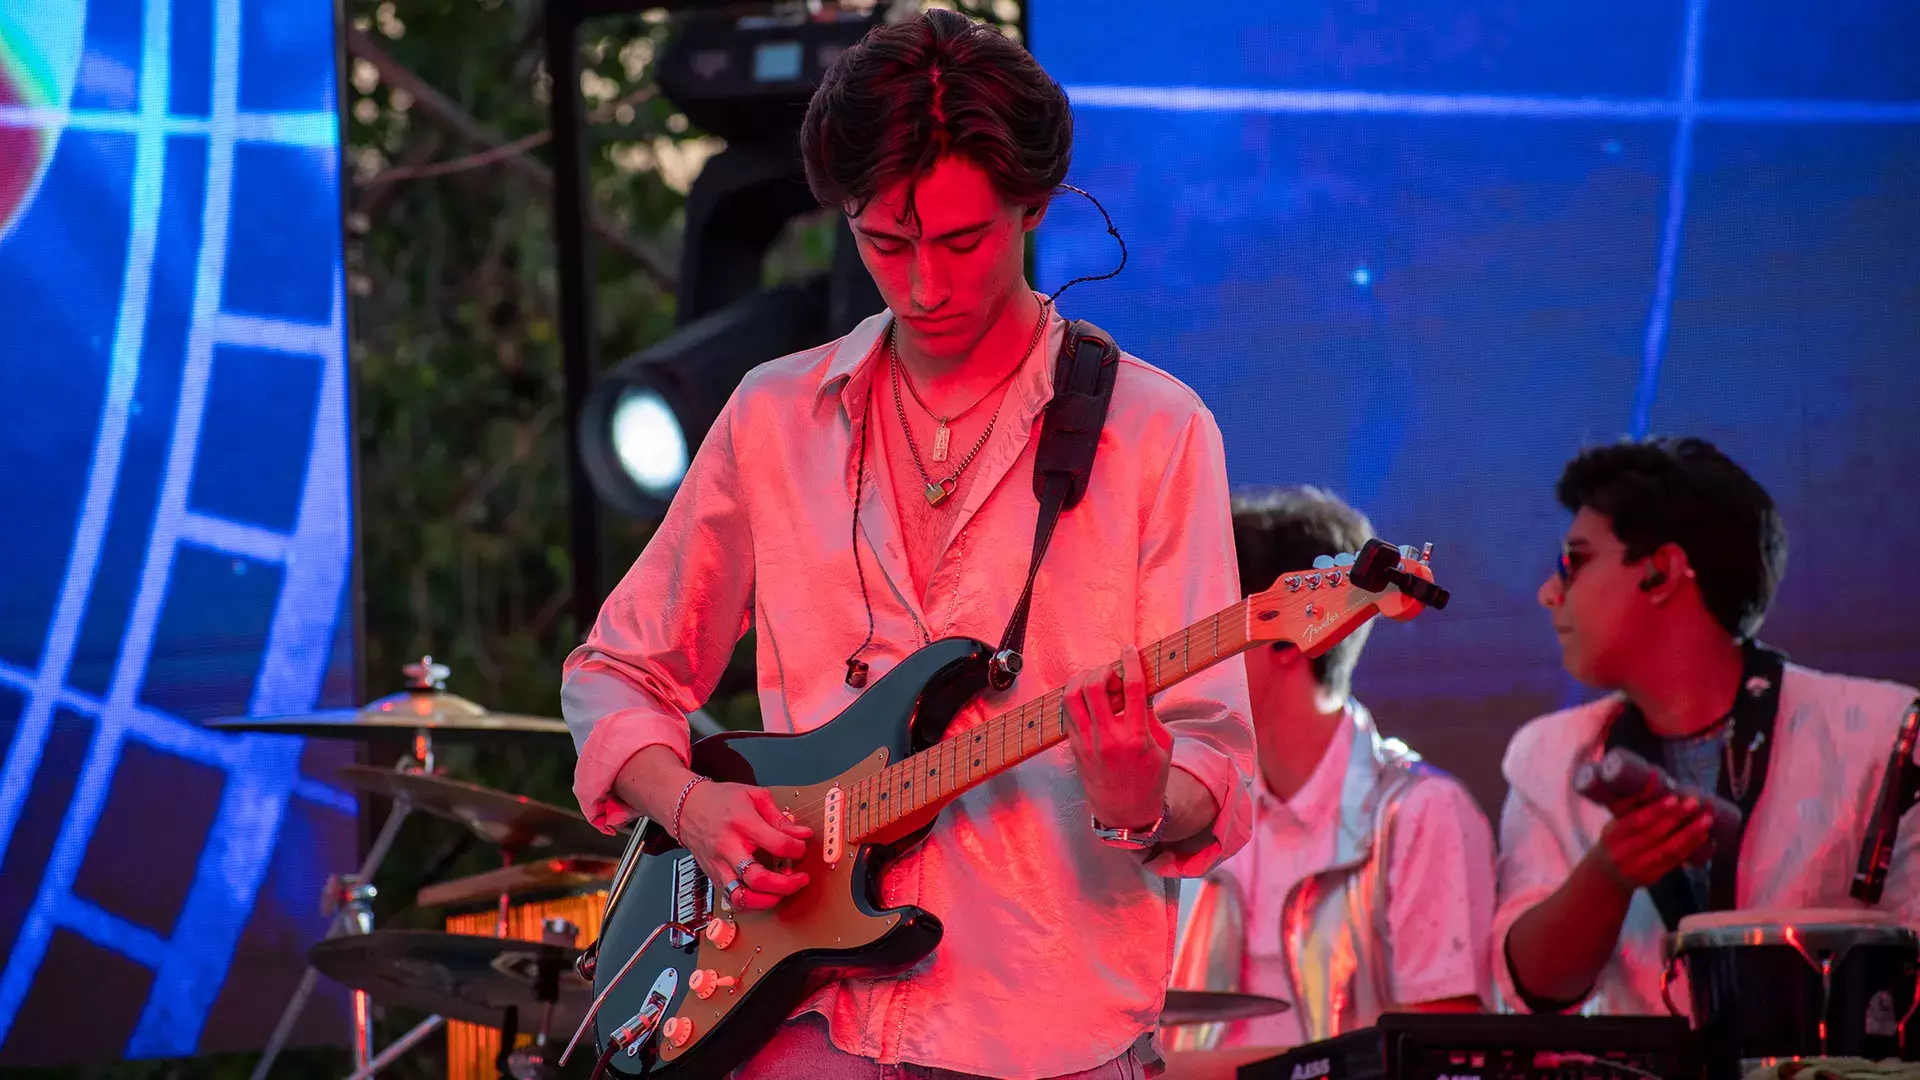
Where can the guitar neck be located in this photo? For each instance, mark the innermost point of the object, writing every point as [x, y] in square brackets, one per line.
[940, 772]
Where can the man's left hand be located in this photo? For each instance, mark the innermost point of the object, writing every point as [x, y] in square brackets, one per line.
[1123, 751]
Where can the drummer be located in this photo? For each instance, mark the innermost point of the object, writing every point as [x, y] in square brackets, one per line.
[1664, 576]
[1370, 862]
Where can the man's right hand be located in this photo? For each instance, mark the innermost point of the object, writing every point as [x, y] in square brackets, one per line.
[1644, 843]
[727, 826]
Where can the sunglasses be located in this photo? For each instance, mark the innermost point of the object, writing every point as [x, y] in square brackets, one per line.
[1569, 564]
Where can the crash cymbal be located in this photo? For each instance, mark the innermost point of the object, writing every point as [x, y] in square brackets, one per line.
[1208, 1006]
[527, 880]
[460, 976]
[512, 823]
[423, 706]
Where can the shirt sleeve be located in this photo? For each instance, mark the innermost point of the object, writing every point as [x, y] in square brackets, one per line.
[665, 635]
[1532, 864]
[1188, 572]
[1440, 896]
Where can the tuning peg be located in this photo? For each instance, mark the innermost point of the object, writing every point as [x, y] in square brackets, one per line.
[1426, 554]
[1323, 562]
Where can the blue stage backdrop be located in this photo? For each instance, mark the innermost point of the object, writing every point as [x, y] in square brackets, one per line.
[1421, 251]
[175, 482]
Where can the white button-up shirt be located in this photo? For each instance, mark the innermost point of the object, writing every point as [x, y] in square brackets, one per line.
[1057, 947]
[1831, 741]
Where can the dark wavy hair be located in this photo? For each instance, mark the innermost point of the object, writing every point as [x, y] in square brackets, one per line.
[939, 84]
[1279, 530]
[1685, 491]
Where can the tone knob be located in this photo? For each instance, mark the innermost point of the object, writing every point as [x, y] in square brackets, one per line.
[706, 982]
[721, 932]
[678, 1030]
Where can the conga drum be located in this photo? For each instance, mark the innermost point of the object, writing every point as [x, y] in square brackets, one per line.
[1773, 986]
[516, 902]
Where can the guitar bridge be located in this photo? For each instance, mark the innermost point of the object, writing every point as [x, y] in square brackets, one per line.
[832, 844]
[692, 899]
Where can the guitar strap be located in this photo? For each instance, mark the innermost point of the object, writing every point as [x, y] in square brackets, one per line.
[1755, 707]
[1083, 379]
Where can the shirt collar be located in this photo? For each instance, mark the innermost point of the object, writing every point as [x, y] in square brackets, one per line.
[1319, 798]
[855, 357]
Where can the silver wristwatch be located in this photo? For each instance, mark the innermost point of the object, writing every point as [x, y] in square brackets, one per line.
[1133, 839]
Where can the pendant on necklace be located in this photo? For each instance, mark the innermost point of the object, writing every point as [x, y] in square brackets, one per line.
[940, 441]
[939, 491]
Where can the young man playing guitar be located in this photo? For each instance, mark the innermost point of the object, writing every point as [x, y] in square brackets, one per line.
[857, 501]
[1665, 574]
[1368, 884]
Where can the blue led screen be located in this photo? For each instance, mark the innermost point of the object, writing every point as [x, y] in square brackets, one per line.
[1421, 252]
[176, 525]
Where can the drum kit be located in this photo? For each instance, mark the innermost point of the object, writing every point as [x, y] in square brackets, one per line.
[512, 934]
[505, 961]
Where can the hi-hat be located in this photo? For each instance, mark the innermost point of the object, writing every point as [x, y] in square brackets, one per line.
[424, 705]
[512, 823]
[1210, 1006]
[460, 976]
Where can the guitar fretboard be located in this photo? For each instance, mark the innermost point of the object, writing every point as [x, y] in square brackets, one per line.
[969, 757]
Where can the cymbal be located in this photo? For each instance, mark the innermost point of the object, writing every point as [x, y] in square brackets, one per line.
[398, 714]
[513, 823]
[459, 976]
[424, 705]
[558, 874]
[1208, 1006]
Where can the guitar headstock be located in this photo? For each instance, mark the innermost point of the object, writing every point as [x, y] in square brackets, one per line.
[1314, 609]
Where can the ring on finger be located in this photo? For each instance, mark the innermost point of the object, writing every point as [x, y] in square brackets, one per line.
[744, 865]
[733, 886]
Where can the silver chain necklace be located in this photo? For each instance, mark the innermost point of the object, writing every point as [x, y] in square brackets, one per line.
[939, 491]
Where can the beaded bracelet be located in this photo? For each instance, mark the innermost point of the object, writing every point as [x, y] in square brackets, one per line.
[682, 804]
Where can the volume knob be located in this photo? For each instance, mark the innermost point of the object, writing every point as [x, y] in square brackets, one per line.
[678, 1030]
[706, 981]
[721, 932]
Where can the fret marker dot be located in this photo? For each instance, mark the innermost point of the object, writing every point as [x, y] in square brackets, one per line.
[976, 763]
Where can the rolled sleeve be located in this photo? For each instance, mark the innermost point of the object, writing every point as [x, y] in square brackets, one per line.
[665, 634]
[1221, 775]
[1188, 572]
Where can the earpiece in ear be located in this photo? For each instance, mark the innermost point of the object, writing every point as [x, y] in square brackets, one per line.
[1653, 580]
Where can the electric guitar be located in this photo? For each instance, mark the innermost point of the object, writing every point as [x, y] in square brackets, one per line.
[688, 988]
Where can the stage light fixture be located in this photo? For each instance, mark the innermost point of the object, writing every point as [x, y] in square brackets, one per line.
[644, 419]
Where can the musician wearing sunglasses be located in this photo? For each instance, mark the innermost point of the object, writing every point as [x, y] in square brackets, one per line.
[1368, 884]
[1665, 574]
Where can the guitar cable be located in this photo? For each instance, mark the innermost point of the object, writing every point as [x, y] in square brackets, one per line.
[601, 998]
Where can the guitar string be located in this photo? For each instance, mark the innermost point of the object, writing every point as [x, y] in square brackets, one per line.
[1056, 695]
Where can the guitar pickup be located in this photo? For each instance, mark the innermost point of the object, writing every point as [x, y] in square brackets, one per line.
[692, 899]
[832, 844]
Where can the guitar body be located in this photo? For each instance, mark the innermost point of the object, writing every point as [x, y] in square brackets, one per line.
[868, 787]
[832, 929]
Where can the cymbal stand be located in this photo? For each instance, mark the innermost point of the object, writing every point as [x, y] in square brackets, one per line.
[536, 1062]
[400, 1046]
[347, 899]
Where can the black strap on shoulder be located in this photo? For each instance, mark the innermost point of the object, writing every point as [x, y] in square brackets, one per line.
[1062, 464]
[1755, 706]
